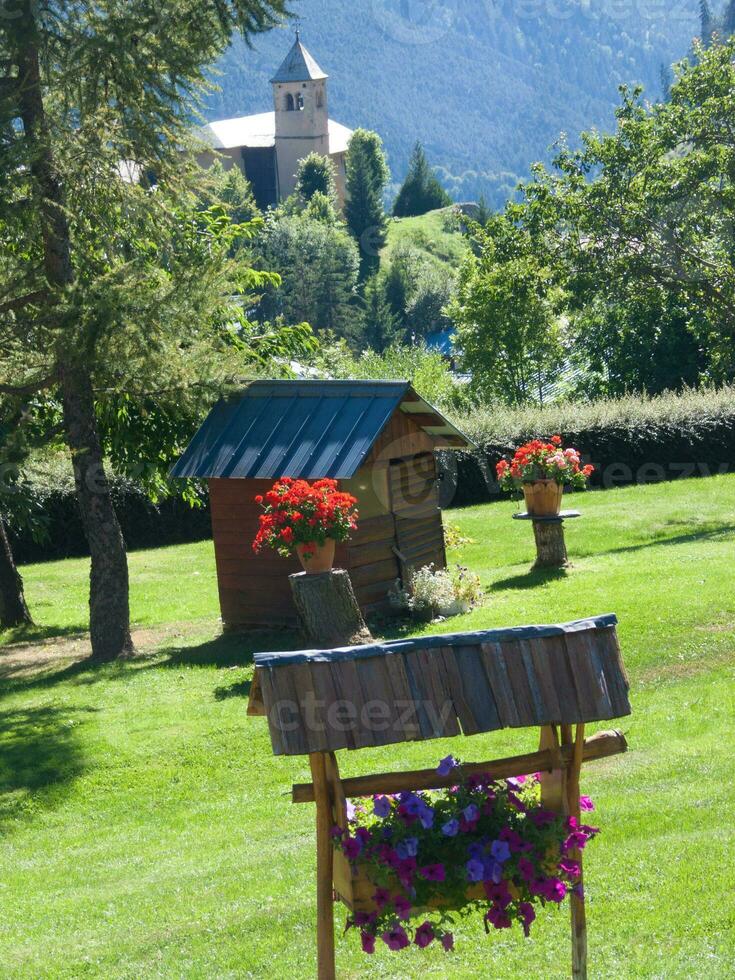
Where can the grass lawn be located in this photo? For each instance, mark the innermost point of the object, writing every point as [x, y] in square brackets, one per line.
[147, 829]
[431, 234]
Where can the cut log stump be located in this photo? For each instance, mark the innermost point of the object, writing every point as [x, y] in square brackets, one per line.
[328, 611]
[551, 550]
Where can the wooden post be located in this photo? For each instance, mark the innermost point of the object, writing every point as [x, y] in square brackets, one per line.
[324, 868]
[553, 783]
[579, 916]
[328, 611]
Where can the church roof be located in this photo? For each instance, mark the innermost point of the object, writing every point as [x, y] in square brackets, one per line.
[260, 130]
[298, 66]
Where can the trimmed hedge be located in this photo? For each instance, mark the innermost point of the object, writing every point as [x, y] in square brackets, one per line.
[629, 440]
[144, 525]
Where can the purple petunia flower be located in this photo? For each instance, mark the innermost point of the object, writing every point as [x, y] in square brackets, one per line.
[426, 816]
[475, 870]
[433, 872]
[528, 914]
[402, 906]
[527, 870]
[569, 867]
[585, 803]
[448, 941]
[451, 828]
[471, 813]
[381, 898]
[368, 942]
[395, 938]
[351, 848]
[381, 806]
[407, 848]
[424, 935]
[500, 850]
[446, 765]
[498, 918]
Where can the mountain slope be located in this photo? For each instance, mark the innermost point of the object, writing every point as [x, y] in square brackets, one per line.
[487, 85]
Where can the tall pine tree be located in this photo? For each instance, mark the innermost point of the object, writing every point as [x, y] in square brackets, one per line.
[367, 176]
[421, 190]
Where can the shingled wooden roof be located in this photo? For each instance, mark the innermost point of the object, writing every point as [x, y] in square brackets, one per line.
[440, 686]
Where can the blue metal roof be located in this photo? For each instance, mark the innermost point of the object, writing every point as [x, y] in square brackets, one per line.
[300, 429]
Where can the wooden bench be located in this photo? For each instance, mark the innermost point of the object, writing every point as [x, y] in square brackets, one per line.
[555, 678]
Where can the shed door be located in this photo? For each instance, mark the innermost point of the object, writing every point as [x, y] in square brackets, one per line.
[414, 496]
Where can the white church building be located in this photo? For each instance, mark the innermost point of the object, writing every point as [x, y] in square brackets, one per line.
[268, 146]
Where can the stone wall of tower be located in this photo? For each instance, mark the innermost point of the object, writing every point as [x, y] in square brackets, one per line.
[300, 130]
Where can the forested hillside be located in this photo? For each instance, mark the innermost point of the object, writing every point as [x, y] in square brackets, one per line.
[487, 85]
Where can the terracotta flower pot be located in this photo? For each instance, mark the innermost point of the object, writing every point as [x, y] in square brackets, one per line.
[320, 560]
[543, 497]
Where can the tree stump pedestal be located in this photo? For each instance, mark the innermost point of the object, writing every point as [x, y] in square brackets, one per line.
[551, 549]
[328, 611]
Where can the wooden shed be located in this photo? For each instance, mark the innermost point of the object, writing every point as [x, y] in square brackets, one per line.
[378, 438]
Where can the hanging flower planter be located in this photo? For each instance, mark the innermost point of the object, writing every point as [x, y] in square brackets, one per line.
[406, 865]
[542, 470]
[307, 520]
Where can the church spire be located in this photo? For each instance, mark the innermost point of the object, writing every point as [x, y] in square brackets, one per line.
[298, 65]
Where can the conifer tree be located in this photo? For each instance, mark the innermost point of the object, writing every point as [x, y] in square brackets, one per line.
[421, 190]
[315, 175]
[380, 324]
[92, 98]
[367, 176]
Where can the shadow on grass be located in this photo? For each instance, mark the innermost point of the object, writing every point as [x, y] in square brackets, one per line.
[32, 634]
[530, 580]
[705, 531]
[40, 754]
[227, 650]
[240, 689]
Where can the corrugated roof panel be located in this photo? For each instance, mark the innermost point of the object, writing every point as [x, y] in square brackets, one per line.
[308, 429]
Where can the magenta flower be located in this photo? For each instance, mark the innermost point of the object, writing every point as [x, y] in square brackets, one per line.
[527, 870]
[527, 914]
[381, 806]
[577, 839]
[552, 889]
[395, 938]
[446, 765]
[448, 941]
[512, 839]
[351, 848]
[381, 898]
[402, 906]
[368, 942]
[543, 818]
[569, 867]
[498, 894]
[424, 935]
[433, 872]
[585, 803]
[498, 917]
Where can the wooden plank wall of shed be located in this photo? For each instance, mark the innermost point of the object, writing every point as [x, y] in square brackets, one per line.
[254, 589]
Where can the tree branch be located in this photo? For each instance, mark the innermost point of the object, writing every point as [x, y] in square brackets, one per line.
[20, 391]
[20, 301]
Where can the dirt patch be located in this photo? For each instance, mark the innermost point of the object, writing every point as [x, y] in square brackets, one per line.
[28, 658]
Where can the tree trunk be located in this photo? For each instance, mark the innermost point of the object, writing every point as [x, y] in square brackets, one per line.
[551, 551]
[109, 619]
[109, 612]
[328, 610]
[13, 608]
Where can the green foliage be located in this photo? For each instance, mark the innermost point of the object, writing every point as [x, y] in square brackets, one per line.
[636, 227]
[367, 176]
[318, 265]
[426, 311]
[427, 370]
[506, 313]
[315, 175]
[230, 189]
[380, 324]
[421, 191]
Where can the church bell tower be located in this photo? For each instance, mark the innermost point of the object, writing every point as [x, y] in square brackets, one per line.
[302, 117]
